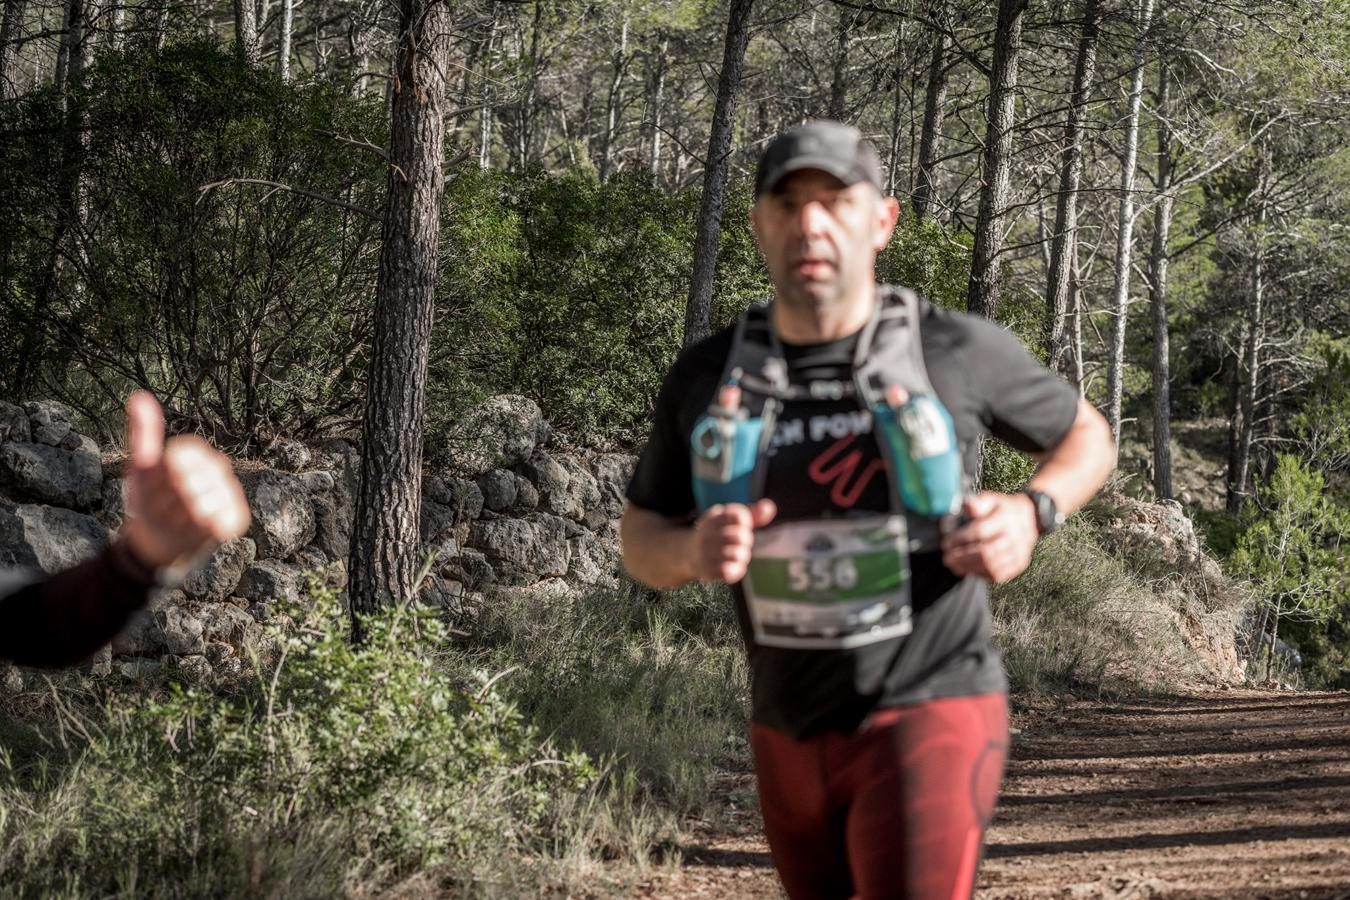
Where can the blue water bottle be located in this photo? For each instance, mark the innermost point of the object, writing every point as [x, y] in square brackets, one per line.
[921, 440]
[725, 447]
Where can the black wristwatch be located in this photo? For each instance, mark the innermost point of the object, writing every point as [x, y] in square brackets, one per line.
[1048, 516]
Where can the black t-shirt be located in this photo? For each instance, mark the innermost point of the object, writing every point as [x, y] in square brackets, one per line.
[825, 461]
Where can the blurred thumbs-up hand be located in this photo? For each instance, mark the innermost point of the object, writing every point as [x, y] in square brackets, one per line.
[182, 497]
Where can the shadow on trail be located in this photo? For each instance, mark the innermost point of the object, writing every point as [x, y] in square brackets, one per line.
[1173, 745]
[1182, 839]
[718, 858]
[1194, 706]
[1203, 793]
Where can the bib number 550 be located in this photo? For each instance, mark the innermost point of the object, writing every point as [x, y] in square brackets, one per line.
[822, 574]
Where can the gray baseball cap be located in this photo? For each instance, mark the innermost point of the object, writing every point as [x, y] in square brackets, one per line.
[821, 144]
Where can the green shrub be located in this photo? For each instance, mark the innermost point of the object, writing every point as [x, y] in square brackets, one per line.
[337, 770]
[1081, 616]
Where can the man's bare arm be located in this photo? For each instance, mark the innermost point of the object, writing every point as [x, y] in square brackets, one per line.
[657, 551]
[666, 553]
[1079, 465]
[997, 541]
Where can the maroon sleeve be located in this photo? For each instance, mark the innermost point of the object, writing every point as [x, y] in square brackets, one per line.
[64, 619]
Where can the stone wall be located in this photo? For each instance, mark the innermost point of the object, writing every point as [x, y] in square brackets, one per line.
[513, 511]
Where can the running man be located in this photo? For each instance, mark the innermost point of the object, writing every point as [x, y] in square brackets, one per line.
[182, 501]
[817, 457]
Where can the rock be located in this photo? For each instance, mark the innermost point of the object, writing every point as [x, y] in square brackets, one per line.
[114, 503]
[217, 654]
[434, 487]
[140, 669]
[233, 671]
[345, 462]
[524, 550]
[227, 624]
[15, 552]
[219, 576]
[283, 516]
[553, 482]
[318, 482]
[14, 424]
[332, 526]
[471, 568]
[436, 520]
[182, 631]
[499, 489]
[550, 590]
[290, 456]
[54, 538]
[498, 434]
[466, 499]
[269, 582]
[591, 564]
[194, 669]
[142, 636]
[440, 594]
[100, 664]
[12, 681]
[527, 497]
[583, 487]
[50, 421]
[50, 475]
[614, 468]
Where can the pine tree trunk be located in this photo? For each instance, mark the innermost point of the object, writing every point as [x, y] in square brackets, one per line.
[1115, 371]
[613, 103]
[11, 23]
[839, 77]
[897, 107]
[1157, 268]
[982, 294]
[934, 111]
[1076, 333]
[485, 114]
[284, 48]
[658, 105]
[246, 31]
[1065, 236]
[1251, 383]
[385, 539]
[699, 307]
[1233, 500]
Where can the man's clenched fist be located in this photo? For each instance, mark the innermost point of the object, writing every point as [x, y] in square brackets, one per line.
[182, 497]
[997, 539]
[724, 537]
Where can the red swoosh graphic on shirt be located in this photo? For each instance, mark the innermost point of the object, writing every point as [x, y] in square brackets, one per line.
[842, 468]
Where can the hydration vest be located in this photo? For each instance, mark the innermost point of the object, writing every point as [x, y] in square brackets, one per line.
[914, 430]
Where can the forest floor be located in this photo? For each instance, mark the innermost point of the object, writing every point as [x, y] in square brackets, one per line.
[1231, 794]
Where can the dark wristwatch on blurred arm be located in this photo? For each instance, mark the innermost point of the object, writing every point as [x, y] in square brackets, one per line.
[1048, 516]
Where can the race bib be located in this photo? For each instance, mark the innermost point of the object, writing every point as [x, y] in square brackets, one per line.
[830, 584]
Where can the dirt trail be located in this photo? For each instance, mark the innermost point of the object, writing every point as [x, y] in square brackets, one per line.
[1236, 794]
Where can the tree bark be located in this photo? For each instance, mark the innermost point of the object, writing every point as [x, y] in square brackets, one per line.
[284, 48]
[246, 31]
[1251, 384]
[385, 539]
[1157, 277]
[699, 307]
[1115, 373]
[982, 294]
[485, 115]
[11, 23]
[934, 111]
[839, 77]
[614, 101]
[1065, 236]
[658, 104]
